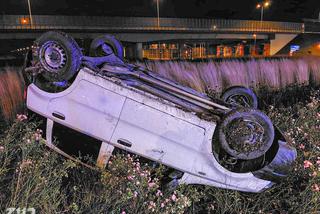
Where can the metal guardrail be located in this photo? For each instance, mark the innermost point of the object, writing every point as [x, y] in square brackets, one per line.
[46, 22]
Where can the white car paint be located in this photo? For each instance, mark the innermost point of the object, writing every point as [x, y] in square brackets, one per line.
[156, 129]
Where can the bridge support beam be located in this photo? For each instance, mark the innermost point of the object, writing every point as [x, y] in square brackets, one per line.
[280, 41]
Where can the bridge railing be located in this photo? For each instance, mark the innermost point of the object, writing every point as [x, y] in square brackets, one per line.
[46, 22]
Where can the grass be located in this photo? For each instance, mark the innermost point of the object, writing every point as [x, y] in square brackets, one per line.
[11, 92]
[274, 74]
[33, 176]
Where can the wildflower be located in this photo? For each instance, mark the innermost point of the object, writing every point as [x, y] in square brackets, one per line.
[162, 205]
[315, 188]
[173, 197]
[123, 212]
[314, 174]
[130, 178]
[159, 193]
[135, 194]
[307, 164]
[152, 184]
[318, 162]
[152, 205]
[1, 148]
[301, 146]
[21, 117]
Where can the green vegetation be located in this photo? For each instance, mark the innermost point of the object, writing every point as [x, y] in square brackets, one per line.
[31, 175]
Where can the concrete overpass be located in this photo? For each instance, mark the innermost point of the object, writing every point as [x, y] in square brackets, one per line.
[139, 30]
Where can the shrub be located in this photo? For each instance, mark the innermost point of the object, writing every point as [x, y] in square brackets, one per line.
[31, 176]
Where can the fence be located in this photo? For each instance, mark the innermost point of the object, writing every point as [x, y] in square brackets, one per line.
[46, 22]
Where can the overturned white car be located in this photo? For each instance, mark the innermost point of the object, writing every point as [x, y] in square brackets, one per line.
[226, 143]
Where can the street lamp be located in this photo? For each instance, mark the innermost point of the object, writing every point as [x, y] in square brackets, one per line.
[158, 13]
[255, 43]
[30, 14]
[262, 6]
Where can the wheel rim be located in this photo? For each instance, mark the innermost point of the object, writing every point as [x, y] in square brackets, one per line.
[53, 56]
[239, 100]
[245, 138]
[106, 49]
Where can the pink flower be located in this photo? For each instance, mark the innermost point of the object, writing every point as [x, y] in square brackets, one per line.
[152, 184]
[152, 205]
[130, 178]
[162, 205]
[173, 197]
[159, 193]
[135, 194]
[318, 162]
[314, 174]
[301, 146]
[123, 212]
[1, 148]
[307, 164]
[21, 117]
[315, 188]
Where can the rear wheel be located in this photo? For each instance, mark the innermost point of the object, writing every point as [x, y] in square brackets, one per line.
[105, 45]
[245, 133]
[59, 56]
[240, 96]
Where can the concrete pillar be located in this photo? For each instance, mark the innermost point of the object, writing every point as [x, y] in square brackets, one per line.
[139, 54]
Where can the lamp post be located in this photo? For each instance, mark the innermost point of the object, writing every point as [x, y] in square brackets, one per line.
[158, 13]
[262, 6]
[255, 44]
[30, 13]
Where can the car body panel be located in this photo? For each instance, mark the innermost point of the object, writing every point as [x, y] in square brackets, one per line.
[155, 129]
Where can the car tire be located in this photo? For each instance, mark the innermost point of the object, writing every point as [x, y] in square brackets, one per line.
[59, 56]
[240, 96]
[115, 45]
[245, 133]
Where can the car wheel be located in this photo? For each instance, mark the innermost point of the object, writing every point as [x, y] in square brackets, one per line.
[59, 56]
[105, 45]
[240, 96]
[245, 133]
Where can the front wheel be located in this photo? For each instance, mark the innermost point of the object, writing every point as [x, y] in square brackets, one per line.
[245, 133]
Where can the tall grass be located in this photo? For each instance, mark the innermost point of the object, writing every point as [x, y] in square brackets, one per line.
[273, 74]
[11, 92]
[31, 175]
[208, 77]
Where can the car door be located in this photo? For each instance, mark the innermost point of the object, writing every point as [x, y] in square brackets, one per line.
[89, 108]
[157, 135]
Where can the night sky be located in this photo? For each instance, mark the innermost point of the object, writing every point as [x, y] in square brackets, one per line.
[280, 10]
